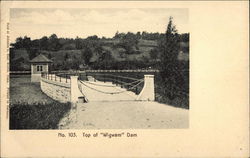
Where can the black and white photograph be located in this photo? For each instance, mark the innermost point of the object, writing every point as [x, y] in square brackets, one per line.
[124, 79]
[100, 68]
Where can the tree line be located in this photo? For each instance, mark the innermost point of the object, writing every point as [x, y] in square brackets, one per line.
[128, 41]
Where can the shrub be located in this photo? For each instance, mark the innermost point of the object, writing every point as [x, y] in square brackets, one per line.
[37, 115]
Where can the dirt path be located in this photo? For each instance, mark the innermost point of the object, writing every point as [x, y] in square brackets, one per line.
[128, 115]
[121, 111]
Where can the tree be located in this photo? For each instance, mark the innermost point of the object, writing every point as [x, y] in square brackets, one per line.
[18, 44]
[54, 44]
[33, 53]
[138, 35]
[26, 43]
[49, 56]
[66, 57]
[153, 53]
[169, 63]
[86, 55]
[44, 43]
[106, 60]
[78, 43]
[94, 37]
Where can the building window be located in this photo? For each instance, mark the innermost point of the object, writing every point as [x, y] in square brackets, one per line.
[39, 68]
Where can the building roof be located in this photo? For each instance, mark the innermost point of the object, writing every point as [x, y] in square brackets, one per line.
[40, 59]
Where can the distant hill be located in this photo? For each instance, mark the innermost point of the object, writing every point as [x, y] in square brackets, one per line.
[63, 59]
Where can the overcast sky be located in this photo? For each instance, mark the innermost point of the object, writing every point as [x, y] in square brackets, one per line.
[36, 23]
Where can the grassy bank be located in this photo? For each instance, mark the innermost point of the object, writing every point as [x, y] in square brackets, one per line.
[30, 108]
[37, 115]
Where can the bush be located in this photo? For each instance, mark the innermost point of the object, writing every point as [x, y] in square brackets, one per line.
[38, 115]
[180, 94]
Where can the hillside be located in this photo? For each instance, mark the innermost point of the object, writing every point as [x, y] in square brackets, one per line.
[72, 59]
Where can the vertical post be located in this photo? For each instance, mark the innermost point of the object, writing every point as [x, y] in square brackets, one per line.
[148, 91]
[55, 77]
[66, 77]
[121, 82]
[60, 78]
[74, 89]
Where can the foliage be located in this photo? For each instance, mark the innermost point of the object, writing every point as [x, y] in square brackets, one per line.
[127, 41]
[154, 53]
[126, 50]
[53, 43]
[169, 69]
[37, 115]
[86, 55]
[174, 73]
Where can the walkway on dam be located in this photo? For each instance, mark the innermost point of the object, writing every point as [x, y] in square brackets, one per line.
[127, 115]
[100, 91]
[121, 111]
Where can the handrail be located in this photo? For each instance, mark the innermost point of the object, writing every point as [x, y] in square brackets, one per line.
[116, 76]
[55, 77]
[111, 92]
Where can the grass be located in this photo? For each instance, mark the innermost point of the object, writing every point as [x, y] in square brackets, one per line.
[30, 108]
[37, 115]
[23, 91]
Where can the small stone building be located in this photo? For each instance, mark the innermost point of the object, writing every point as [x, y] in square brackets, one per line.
[39, 64]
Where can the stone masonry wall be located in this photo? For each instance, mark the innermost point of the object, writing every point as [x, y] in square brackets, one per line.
[57, 90]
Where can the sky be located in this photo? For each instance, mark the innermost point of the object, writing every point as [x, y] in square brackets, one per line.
[81, 22]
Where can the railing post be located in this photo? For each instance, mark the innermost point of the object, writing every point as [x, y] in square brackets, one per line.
[74, 89]
[66, 77]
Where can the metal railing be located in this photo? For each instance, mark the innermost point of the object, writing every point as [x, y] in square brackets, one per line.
[64, 78]
[117, 80]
